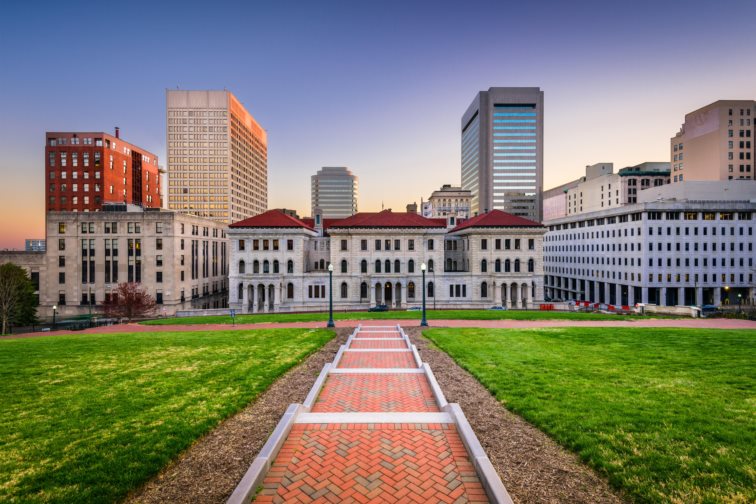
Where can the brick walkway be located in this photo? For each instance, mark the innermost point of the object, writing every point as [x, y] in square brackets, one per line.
[374, 432]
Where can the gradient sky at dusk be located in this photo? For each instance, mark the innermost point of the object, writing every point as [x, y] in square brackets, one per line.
[376, 86]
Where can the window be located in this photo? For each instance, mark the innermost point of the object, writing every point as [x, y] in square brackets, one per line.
[290, 266]
[363, 245]
[159, 276]
[397, 244]
[61, 244]
[388, 266]
[397, 266]
[256, 266]
[363, 290]
[289, 244]
[531, 244]
[484, 266]
[343, 264]
[241, 244]
[343, 246]
[159, 260]
[290, 290]
[430, 289]
[507, 266]
[410, 244]
[158, 244]
[61, 227]
[377, 244]
[497, 244]
[430, 265]
[497, 266]
[363, 266]
[484, 290]
[61, 261]
[411, 290]
[484, 244]
[266, 266]
[377, 265]
[275, 266]
[430, 244]
[410, 266]
[344, 290]
[531, 265]
[61, 277]
[242, 267]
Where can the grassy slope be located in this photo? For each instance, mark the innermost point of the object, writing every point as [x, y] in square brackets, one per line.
[394, 315]
[669, 415]
[88, 418]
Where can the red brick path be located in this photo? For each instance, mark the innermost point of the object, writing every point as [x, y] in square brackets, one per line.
[373, 462]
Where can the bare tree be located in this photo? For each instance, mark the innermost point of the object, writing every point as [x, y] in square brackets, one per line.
[17, 302]
[129, 301]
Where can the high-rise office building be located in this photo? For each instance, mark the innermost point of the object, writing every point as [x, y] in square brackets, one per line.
[502, 151]
[334, 192]
[84, 171]
[716, 142]
[217, 156]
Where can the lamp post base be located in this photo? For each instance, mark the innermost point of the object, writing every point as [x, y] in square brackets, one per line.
[330, 324]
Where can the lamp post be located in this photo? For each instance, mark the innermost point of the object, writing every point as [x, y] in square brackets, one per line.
[423, 322]
[330, 296]
[740, 300]
[55, 311]
[727, 292]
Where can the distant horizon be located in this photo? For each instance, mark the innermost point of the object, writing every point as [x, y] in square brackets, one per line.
[379, 89]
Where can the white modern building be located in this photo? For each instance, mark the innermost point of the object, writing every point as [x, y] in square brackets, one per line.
[334, 192]
[680, 244]
[280, 263]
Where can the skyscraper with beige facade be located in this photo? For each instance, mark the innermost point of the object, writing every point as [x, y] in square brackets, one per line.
[716, 142]
[217, 156]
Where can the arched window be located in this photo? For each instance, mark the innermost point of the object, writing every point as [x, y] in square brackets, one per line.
[242, 266]
[430, 289]
[290, 290]
[290, 266]
[266, 266]
[448, 265]
[411, 290]
[256, 266]
[507, 266]
[397, 266]
[275, 266]
[497, 266]
[388, 266]
[343, 266]
[363, 290]
[517, 266]
[411, 266]
[363, 266]
[531, 265]
[483, 266]
[430, 265]
[241, 292]
[344, 290]
[377, 265]
[484, 290]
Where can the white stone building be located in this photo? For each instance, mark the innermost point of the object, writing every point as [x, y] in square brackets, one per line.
[280, 263]
[689, 243]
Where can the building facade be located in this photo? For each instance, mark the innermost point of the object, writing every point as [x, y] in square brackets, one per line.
[279, 263]
[449, 201]
[681, 244]
[334, 192]
[181, 260]
[602, 188]
[217, 156]
[502, 151]
[85, 170]
[35, 245]
[716, 142]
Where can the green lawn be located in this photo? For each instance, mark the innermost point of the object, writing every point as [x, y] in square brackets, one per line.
[668, 415]
[394, 315]
[89, 418]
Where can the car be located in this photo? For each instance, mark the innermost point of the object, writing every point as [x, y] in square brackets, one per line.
[378, 308]
[497, 307]
[414, 308]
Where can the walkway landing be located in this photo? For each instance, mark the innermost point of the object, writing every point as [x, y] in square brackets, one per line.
[374, 428]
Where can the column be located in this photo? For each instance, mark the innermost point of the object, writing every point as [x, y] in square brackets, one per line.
[618, 293]
[681, 296]
[496, 293]
[717, 296]
[699, 296]
[371, 288]
[663, 296]
[644, 295]
[631, 295]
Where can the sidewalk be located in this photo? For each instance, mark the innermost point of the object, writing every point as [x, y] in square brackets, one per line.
[375, 428]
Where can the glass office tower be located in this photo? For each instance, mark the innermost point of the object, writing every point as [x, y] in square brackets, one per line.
[502, 151]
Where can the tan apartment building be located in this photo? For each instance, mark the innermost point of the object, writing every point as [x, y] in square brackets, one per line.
[716, 142]
[448, 202]
[217, 156]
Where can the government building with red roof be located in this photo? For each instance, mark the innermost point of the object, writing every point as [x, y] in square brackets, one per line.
[279, 263]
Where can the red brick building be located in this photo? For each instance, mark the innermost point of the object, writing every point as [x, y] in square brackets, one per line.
[83, 171]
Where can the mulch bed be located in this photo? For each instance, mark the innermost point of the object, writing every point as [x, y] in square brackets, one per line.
[533, 468]
[211, 468]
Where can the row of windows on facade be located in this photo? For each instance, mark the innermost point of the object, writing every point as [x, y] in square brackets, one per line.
[672, 277]
[75, 174]
[633, 262]
[616, 233]
[89, 298]
[653, 215]
[136, 227]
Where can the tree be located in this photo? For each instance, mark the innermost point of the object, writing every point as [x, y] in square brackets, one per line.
[129, 301]
[17, 300]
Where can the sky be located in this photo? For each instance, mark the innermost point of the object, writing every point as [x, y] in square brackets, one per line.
[377, 86]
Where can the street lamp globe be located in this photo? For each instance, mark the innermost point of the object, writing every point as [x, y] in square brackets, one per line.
[423, 267]
[330, 267]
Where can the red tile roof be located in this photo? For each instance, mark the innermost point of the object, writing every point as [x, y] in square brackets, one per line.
[271, 219]
[496, 218]
[388, 219]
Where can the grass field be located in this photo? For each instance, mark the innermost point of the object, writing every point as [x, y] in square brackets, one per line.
[668, 415]
[394, 315]
[89, 418]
